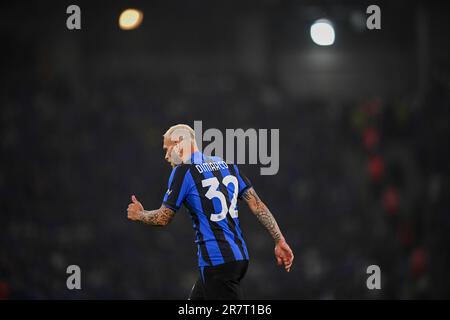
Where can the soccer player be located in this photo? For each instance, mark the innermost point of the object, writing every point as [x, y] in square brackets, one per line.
[209, 188]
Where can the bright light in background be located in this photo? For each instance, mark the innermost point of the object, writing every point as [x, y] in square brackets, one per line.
[130, 19]
[322, 32]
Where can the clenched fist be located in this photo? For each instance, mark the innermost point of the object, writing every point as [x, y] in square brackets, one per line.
[135, 209]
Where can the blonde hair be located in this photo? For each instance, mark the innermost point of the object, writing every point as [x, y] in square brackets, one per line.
[180, 130]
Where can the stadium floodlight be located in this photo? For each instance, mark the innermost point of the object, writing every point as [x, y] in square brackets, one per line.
[322, 32]
[130, 19]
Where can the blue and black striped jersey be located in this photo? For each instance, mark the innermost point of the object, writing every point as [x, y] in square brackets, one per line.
[209, 188]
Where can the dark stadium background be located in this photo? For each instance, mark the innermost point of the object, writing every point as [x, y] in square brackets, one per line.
[364, 155]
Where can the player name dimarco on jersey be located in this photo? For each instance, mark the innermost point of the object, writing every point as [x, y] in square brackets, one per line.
[211, 166]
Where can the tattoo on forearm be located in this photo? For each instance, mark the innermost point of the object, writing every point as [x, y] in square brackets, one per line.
[263, 214]
[158, 217]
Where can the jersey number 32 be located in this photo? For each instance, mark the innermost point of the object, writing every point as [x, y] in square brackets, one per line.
[213, 192]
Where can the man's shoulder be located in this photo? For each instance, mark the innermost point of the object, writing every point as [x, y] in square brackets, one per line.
[181, 169]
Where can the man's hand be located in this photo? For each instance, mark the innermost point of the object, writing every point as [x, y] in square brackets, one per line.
[284, 254]
[135, 209]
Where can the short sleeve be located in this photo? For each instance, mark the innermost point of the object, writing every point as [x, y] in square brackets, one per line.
[243, 181]
[177, 188]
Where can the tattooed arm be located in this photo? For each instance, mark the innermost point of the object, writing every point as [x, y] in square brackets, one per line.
[283, 252]
[263, 214]
[158, 217]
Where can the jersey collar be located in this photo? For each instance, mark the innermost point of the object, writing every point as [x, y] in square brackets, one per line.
[197, 157]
